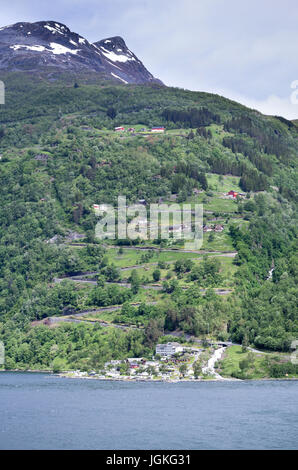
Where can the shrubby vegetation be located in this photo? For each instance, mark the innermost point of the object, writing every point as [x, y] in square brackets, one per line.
[59, 157]
[268, 313]
[83, 347]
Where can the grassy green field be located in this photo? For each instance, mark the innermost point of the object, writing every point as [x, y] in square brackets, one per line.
[108, 317]
[146, 261]
[233, 356]
[218, 132]
[214, 198]
[256, 366]
[220, 242]
[223, 183]
[133, 257]
[217, 203]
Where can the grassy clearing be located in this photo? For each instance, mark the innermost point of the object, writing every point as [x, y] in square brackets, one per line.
[149, 295]
[223, 183]
[179, 131]
[227, 270]
[218, 132]
[213, 199]
[145, 273]
[133, 257]
[220, 241]
[230, 366]
[108, 317]
[216, 204]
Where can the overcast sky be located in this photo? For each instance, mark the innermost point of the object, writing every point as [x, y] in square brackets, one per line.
[247, 52]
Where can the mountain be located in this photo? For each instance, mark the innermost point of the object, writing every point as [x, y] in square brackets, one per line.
[60, 156]
[49, 44]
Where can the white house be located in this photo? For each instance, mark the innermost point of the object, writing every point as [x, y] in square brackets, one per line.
[168, 349]
[158, 129]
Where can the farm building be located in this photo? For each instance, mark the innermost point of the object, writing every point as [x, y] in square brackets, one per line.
[233, 194]
[119, 129]
[157, 129]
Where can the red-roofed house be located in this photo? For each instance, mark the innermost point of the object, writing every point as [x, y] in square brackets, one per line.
[157, 129]
[233, 193]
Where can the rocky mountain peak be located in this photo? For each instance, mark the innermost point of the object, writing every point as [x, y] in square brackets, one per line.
[47, 44]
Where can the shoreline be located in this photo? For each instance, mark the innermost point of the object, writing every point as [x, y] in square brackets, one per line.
[224, 379]
[143, 379]
[64, 375]
[39, 371]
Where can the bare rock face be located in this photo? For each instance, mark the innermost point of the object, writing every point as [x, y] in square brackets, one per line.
[48, 44]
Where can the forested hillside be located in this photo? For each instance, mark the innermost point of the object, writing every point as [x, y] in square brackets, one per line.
[60, 155]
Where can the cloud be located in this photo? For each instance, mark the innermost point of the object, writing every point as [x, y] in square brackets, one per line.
[272, 105]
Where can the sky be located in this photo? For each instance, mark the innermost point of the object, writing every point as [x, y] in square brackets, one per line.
[246, 51]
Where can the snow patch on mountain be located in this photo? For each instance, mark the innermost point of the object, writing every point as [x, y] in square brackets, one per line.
[119, 78]
[115, 57]
[29, 46]
[5, 27]
[38, 48]
[59, 49]
[56, 48]
[53, 30]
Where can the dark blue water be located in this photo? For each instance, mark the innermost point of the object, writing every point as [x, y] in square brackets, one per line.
[39, 411]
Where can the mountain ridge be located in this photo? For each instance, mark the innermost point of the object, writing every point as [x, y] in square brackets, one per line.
[43, 45]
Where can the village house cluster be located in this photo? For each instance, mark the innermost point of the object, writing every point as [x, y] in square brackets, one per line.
[165, 365]
[213, 228]
[157, 130]
[234, 194]
[172, 362]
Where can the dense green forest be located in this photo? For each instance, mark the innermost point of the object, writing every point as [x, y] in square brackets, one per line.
[59, 155]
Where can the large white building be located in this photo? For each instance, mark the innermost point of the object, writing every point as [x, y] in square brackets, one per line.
[168, 349]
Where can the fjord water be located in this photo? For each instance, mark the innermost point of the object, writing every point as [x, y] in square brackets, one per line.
[41, 411]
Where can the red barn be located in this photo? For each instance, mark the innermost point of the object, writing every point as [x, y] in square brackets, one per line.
[233, 193]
